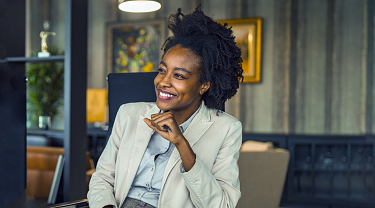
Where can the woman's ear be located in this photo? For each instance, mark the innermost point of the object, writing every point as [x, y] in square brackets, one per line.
[205, 87]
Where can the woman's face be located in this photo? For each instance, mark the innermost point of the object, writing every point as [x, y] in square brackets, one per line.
[177, 85]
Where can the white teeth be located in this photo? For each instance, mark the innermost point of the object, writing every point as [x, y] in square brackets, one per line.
[165, 94]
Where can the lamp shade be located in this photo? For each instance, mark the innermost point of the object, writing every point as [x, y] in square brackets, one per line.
[138, 6]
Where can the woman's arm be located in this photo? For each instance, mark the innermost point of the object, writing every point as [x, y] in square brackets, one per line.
[101, 192]
[174, 135]
[218, 187]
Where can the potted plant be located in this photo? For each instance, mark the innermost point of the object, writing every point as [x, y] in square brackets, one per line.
[45, 90]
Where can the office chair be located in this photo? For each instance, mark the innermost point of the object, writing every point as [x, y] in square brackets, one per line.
[127, 88]
[123, 88]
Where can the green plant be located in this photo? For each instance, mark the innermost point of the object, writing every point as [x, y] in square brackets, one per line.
[45, 87]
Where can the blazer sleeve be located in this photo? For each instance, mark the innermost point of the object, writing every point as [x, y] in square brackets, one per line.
[101, 191]
[219, 187]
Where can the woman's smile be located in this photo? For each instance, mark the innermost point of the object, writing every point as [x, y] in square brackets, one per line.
[164, 95]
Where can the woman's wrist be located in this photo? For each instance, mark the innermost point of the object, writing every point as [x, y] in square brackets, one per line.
[180, 142]
[186, 153]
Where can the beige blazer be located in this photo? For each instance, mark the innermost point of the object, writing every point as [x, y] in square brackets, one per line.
[212, 182]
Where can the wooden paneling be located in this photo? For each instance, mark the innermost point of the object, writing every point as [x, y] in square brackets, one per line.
[370, 111]
[310, 67]
[348, 70]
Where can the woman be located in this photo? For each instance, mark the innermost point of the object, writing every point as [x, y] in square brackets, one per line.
[183, 150]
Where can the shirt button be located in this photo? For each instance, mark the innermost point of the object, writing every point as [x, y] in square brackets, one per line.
[148, 185]
[152, 169]
[139, 195]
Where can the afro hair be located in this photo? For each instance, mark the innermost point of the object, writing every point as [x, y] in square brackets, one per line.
[220, 63]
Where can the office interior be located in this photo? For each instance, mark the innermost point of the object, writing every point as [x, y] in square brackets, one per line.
[315, 97]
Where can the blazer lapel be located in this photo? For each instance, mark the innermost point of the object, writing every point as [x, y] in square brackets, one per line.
[200, 124]
[142, 138]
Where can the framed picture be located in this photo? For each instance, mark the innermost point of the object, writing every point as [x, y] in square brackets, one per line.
[248, 33]
[134, 47]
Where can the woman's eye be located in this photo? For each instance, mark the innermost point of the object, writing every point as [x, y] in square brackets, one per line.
[179, 76]
[161, 70]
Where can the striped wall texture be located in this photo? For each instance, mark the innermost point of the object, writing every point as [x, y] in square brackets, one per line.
[317, 68]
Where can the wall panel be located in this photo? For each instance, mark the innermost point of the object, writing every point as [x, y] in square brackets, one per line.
[310, 66]
[347, 96]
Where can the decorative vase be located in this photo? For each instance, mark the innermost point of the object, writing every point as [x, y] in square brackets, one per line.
[44, 122]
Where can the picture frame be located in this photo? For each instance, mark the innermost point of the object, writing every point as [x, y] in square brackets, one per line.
[248, 33]
[134, 46]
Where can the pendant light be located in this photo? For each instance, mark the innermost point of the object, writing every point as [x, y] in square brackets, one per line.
[138, 6]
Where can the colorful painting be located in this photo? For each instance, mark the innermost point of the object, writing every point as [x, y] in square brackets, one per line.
[135, 47]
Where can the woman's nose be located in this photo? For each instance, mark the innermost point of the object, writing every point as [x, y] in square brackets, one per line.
[165, 81]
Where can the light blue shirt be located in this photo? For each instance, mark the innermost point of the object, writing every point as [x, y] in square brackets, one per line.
[147, 182]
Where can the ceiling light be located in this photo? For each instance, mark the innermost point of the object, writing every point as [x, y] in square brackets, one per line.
[139, 6]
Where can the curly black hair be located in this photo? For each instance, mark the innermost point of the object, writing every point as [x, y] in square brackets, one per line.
[221, 61]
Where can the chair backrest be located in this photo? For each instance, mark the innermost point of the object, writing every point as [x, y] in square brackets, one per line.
[262, 175]
[126, 88]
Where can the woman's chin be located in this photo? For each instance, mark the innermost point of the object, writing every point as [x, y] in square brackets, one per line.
[162, 106]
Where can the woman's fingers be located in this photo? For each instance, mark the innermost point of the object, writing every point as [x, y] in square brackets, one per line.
[161, 120]
[158, 125]
[149, 123]
[153, 125]
[162, 115]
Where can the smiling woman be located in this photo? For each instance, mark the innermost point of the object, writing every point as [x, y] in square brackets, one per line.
[181, 151]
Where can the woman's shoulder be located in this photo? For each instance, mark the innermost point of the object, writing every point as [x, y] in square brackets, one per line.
[137, 107]
[223, 117]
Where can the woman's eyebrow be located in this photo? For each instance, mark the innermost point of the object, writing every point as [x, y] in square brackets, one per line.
[176, 68]
[183, 69]
[162, 62]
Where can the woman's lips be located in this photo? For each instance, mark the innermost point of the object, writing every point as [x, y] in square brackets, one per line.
[164, 95]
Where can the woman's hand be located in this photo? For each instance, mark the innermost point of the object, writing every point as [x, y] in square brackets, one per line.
[159, 120]
[175, 136]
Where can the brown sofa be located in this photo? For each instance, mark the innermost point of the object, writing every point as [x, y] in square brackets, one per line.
[262, 174]
[41, 164]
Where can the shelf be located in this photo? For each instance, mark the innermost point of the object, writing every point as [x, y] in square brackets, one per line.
[35, 59]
